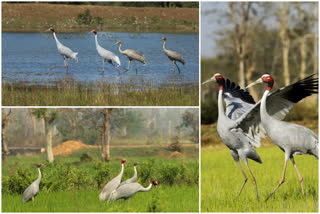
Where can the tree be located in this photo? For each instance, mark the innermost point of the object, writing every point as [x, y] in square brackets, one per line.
[48, 117]
[105, 146]
[191, 120]
[5, 121]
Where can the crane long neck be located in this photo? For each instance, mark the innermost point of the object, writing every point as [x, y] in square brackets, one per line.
[263, 108]
[122, 168]
[96, 39]
[55, 37]
[146, 189]
[120, 48]
[39, 177]
[164, 45]
[135, 171]
[220, 102]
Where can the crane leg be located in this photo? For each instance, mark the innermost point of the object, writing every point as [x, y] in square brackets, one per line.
[254, 181]
[134, 62]
[299, 175]
[245, 178]
[65, 65]
[173, 67]
[128, 66]
[281, 180]
[178, 67]
[115, 67]
[103, 64]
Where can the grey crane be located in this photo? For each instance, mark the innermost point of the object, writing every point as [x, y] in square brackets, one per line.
[64, 51]
[105, 54]
[132, 179]
[127, 191]
[33, 189]
[172, 55]
[240, 143]
[112, 185]
[132, 56]
[291, 138]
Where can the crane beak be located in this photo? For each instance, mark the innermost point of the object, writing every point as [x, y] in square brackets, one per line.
[209, 80]
[255, 82]
[115, 43]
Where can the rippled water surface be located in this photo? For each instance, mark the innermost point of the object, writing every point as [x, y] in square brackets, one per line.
[27, 57]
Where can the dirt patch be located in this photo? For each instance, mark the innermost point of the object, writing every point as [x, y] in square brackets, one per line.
[175, 154]
[68, 147]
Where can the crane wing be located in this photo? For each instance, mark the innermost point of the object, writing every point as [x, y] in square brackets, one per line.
[238, 101]
[175, 56]
[279, 103]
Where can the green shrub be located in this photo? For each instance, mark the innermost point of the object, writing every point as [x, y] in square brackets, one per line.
[209, 111]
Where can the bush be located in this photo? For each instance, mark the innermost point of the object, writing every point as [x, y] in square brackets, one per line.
[209, 111]
[175, 145]
[85, 157]
[84, 18]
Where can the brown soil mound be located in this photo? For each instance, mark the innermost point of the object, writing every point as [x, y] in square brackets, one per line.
[68, 147]
[175, 155]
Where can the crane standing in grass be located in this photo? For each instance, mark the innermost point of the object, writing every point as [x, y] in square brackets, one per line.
[172, 55]
[33, 189]
[127, 191]
[132, 56]
[240, 143]
[291, 138]
[132, 179]
[64, 51]
[112, 185]
[105, 54]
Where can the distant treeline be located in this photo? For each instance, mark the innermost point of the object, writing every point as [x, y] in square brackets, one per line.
[131, 4]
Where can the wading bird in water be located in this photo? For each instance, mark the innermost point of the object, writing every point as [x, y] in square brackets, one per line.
[105, 54]
[127, 191]
[64, 51]
[172, 55]
[291, 138]
[240, 143]
[132, 56]
[33, 189]
[112, 185]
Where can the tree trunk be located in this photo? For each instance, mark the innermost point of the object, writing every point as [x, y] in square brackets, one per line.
[5, 150]
[43, 125]
[48, 129]
[285, 40]
[169, 130]
[242, 82]
[105, 156]
[303, 53]
[34, 125]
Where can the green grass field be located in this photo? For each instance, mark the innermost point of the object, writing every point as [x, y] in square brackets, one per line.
[99, 94]
[221, 180]
[162, 199]
[70, 185]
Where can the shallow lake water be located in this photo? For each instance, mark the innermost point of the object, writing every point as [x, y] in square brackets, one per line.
[28, 57]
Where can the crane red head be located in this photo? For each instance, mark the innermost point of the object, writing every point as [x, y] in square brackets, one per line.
[155, 183]
[52, 29]
[123, 161]
[163, 38]
[94, 31]
[266, 78]
[217, 78]
[39, 165]
[136, 163]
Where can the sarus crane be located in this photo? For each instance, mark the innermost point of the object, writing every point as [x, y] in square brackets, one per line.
[132, 56]
[133, 178]
[127, 191]
[172, 55]
[112, 185]
[240, 143]
[105, 54]
[64, 51]
[291, 138]
[33, 189]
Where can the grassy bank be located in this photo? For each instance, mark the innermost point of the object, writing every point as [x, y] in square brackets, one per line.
[33, 17]
[99, 94]
[221, 180]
